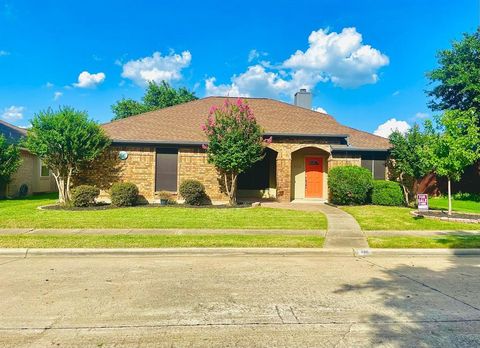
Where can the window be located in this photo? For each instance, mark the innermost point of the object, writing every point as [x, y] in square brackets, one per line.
[375, 165]
[166, 170]
[44, 171]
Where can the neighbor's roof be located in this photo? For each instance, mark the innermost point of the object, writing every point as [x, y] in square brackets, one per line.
[12, 133]
[180, 124]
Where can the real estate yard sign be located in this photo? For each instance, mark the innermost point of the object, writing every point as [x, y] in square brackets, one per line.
[422, 201]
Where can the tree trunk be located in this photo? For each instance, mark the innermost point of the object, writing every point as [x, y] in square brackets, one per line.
[449, 196]
[405, 191]
[231, 187]
[63, 189]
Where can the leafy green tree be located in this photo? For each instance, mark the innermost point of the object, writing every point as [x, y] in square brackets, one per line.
[157, 96]
[65, 140]
[407, 162]
[453, 144]
[9, 162]
[127, 107]
[235, 142]
[457, 79]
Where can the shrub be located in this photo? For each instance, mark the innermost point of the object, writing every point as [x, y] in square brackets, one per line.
[124, 194]
[387, 193]
[84, 195]
[349, 185]
[193, 192]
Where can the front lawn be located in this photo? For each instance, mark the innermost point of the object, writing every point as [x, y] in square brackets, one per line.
[159, 241]
[23, 213]
[374, 217]
[457, 205]
[450, 241]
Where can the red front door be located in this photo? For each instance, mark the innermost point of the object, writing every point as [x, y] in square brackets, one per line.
[313, 177]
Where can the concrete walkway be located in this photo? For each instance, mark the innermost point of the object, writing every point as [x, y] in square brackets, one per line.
[343, 231]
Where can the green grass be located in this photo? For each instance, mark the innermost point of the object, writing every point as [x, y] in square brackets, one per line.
[23, 213]
[457, 205]
[450, 241]
[374, 217]
[159, 241]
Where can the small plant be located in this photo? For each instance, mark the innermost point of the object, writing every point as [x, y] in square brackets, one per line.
[124, 194]
[350, 185]
[165, 197]
[193, 192]
[387, 193]
[84, 195]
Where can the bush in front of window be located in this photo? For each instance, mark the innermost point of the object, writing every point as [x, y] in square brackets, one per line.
[124, 194]
[349, 185]
[193, 192]
[84, 195]
[387, 193]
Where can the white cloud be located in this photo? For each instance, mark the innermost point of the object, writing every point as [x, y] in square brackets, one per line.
[320, 109]
[396, 93]
[13, 113]
[422, 115]
[57, 95]
[387, 128]
[257, 82]
[49, 85]
[157, 67]
[4, 53]
[341, 58]
[87, 80]
[255, 54]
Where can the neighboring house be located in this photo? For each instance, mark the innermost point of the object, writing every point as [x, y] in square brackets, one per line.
[32, 172]
[158, 150]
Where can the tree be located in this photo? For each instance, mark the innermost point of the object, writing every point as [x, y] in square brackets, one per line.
[235, 142]
[406, 162]
[127, 107]
[65, 140]
[453, 144]
[9, 162]
[157, 96]
[457, 79]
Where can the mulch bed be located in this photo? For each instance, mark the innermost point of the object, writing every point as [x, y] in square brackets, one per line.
[443, 215]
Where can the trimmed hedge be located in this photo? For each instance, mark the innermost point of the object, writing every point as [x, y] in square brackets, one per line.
[84, 195]
[193, 192]
[349, 185]
[387, 193]
[124, 194]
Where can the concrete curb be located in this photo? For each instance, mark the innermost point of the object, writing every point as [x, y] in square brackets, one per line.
[341, 252]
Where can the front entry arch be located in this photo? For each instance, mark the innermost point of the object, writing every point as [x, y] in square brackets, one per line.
[313, 177]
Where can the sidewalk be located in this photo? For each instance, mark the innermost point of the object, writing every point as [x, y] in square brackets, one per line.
[343, 231]
[113, 231]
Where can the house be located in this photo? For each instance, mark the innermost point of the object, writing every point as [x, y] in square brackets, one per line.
[32, 172]
[158, 150]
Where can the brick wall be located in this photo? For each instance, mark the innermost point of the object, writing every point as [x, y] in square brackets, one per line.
[24, 175]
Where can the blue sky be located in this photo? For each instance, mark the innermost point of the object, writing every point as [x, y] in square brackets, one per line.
[364, 60]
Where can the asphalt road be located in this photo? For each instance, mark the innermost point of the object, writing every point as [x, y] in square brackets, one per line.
[243, 300]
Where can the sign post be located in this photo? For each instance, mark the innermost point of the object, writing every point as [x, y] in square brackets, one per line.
[422, 202]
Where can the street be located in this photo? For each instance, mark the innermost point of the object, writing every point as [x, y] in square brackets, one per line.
[239, 300]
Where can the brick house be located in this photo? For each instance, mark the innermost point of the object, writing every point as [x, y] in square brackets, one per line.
[32, 171]
[158, 150]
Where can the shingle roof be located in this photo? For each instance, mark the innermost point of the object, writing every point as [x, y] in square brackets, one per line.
[181, 123]
[11, 132]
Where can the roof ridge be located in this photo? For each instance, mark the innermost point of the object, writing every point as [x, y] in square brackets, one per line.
[9, 125]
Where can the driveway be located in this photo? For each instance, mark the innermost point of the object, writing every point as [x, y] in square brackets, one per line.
[247, 300]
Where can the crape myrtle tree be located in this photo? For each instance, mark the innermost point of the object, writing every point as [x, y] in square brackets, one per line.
[235, 142]
[453, 144]
[9, 162]
[407, 163]
[65, 140]
[157, 96]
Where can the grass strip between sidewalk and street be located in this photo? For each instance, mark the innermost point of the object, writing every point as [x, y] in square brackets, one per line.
[449, 242]
[160, 241]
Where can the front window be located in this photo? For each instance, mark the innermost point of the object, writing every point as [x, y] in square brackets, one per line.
[44, 171]
[375, 166]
